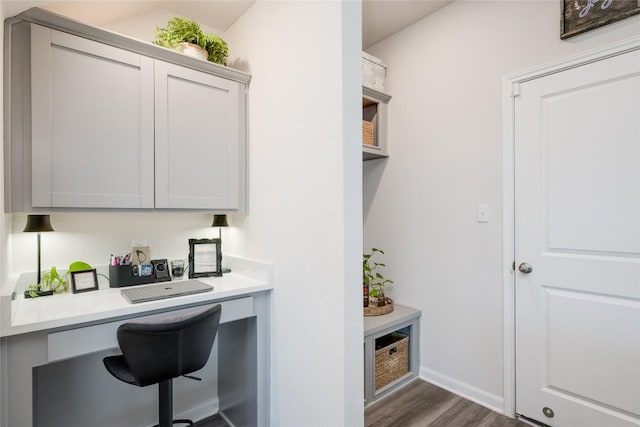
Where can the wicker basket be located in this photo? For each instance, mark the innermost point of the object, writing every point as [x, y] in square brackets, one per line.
[367, 133]
[392, 358]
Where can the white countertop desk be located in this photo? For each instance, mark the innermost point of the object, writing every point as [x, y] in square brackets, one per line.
[46, 330]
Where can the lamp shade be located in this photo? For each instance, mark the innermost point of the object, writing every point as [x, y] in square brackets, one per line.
[39, 223]
[219, 221]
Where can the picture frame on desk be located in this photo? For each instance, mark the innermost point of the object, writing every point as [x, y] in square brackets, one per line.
[84, 281]
[205, 258]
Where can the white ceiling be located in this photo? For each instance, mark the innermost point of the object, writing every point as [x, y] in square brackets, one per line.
[380, 18]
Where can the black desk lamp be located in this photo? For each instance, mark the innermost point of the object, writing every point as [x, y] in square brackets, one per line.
[220, 221]
[38, 224]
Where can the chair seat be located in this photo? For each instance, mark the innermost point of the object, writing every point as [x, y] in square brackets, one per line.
[155, 352]
[117, 366]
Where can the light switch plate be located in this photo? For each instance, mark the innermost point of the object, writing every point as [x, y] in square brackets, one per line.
[483, 213]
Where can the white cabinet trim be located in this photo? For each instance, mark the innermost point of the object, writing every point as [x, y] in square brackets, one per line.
[41, 108]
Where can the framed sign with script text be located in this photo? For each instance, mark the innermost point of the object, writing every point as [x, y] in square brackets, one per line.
[579, 16]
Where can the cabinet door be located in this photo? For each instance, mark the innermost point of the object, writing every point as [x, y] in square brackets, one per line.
[199, 139]
[92, 123]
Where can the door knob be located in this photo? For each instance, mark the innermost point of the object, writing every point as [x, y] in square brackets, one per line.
[525, 268]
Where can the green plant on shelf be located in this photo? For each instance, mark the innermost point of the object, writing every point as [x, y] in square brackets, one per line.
[182, 30]
[373, 279]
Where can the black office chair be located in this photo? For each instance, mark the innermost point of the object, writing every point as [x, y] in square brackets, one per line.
[155, 352]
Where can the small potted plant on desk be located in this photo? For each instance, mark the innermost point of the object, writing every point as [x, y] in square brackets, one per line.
[50, 282]
[375, 301]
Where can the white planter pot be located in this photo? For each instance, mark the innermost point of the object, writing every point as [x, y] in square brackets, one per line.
[193, 50]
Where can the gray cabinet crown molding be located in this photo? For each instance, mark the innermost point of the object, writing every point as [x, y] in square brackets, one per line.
[58, 22]
[372, 93]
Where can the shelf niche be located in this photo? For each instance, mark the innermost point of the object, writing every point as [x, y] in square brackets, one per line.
[374, 120]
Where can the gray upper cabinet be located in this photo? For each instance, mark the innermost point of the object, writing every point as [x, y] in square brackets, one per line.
[98, 120]
[197, 134]
[92, 124]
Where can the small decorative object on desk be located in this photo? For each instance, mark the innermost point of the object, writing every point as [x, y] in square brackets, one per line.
[84, 281]
[205, 258]
[373, 283]
[139, 255]
[177, 268]
[50, 282]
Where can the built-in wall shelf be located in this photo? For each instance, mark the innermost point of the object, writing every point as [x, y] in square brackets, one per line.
[403, 321]
[374, 123]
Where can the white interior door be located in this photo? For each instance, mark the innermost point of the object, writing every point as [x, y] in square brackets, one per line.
[577, 224]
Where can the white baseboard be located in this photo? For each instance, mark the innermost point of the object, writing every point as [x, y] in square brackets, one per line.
[474, 394]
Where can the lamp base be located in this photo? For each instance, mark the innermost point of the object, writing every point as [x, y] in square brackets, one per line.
[28, 294]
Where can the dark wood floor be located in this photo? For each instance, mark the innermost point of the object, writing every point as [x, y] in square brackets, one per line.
[422, 404]
[419, 404]
[214, 421]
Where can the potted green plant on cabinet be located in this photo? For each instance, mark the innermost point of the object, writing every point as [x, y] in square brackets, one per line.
[186, 36]
[374, 283]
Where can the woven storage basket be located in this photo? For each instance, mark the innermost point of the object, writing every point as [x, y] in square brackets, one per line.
[367, 133]
[392, 359]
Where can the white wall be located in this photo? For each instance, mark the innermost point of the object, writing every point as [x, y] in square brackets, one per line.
[305, 200]
[143, 26]
[5, 219]
[445, 142]
[93, 236]
[305, 211]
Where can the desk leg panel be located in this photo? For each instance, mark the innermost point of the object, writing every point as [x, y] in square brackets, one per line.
[261, 306]
[237, 382]
[23, 353]
[244, 364]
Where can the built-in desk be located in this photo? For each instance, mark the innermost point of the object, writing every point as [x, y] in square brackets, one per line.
[47, 336]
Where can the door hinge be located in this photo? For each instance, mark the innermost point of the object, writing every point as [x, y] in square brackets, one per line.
[515, 90]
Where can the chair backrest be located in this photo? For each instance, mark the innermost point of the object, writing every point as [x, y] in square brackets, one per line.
[170, 347]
